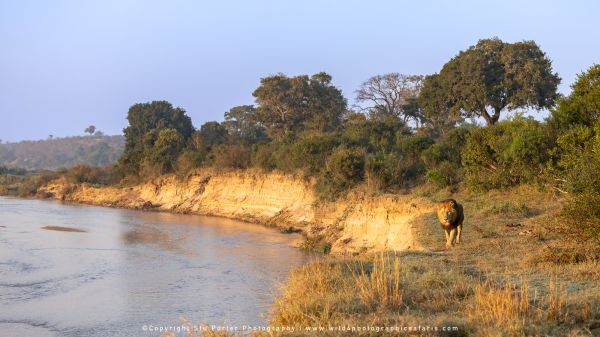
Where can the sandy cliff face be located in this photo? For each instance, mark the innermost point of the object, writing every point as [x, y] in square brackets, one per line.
[353, 224]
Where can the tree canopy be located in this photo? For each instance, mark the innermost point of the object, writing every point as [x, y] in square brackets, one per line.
[146, 121]
[241, 126]
[90, 129]
[293, 104]
[582, 106]
[492, 76]
[391, 94]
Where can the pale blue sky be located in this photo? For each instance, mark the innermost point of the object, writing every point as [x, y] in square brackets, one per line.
[67, 64]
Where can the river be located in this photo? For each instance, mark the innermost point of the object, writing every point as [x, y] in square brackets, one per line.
[97, 271]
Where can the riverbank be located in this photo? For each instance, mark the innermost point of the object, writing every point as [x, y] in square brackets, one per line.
[355, 224]
[514, 274]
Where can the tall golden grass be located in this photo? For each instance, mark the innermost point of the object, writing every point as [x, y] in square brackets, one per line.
[382, 285]
[511, 305]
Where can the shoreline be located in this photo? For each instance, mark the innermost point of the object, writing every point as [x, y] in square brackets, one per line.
[352, 225]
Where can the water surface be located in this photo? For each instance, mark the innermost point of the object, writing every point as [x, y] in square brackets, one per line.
[96, 271]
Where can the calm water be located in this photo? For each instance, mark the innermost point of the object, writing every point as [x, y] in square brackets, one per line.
[131, 269]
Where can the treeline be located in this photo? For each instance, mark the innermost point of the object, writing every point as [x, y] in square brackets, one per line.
[54, 153]
[403, 131]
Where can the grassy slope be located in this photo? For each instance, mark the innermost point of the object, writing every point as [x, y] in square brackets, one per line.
[512, 270]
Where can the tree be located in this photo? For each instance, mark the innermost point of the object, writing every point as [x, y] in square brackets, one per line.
[582, 106]
[436, 106]
[212, 133]
[391, 94]
[90, 129]
[294, 104]
[146, 121]
[241, 126]
[492, 76]
[165, 150]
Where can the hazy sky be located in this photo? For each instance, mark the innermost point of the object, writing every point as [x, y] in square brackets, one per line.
[67, 64]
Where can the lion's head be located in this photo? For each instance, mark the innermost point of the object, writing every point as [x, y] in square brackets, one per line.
[448, 212]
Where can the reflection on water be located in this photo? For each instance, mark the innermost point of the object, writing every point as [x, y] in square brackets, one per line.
[128, 269]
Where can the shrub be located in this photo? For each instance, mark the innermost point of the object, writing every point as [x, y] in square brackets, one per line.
[442, 160]
[374, 135]
[263, 156]
[310, 153]
[93, 175]
[506, 154]
[582, 217]
[235, 156]
[445, 174]
[345, 168]
[189, 160]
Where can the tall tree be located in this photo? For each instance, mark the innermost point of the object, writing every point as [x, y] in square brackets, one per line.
[212, 133]
[292, 104]
[492, 76]
[391, 94]
[582, 106]
[241, 126]
[146, 121]
[90, 129]
[436, 106]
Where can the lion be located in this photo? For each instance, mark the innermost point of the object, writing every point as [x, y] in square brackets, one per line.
[451, 216]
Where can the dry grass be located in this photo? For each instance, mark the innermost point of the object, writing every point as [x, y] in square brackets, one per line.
[520, 279]
[382, 285]
[500, 305]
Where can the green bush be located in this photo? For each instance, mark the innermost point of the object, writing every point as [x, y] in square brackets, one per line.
[445, 174]
[581, 215]
[189, 160]
[506, 154]
[345, 169]
[262, 156]
[310, 153]
[374, 135]
[442, 160]
[235, 156]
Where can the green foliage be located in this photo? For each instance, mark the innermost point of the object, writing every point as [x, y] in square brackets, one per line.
[189, 160]
[372, 134]
[294, 104]
[236, 156]
[307, 153]
[241, 127]
[582, 106]
[442, 160]
[492, 76]
[506, 154]
[146, 122]
[165, 150]
[389, 171]
[212, 133]
[90, 129]
[582, 216]
[444, 174]
[437, 106]
[385, 171]
[345, 169]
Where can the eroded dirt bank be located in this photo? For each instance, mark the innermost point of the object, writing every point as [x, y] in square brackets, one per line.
[353, 224]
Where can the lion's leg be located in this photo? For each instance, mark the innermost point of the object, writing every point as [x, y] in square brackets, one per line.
[447, 232]
[458, 233]
[450, 240]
